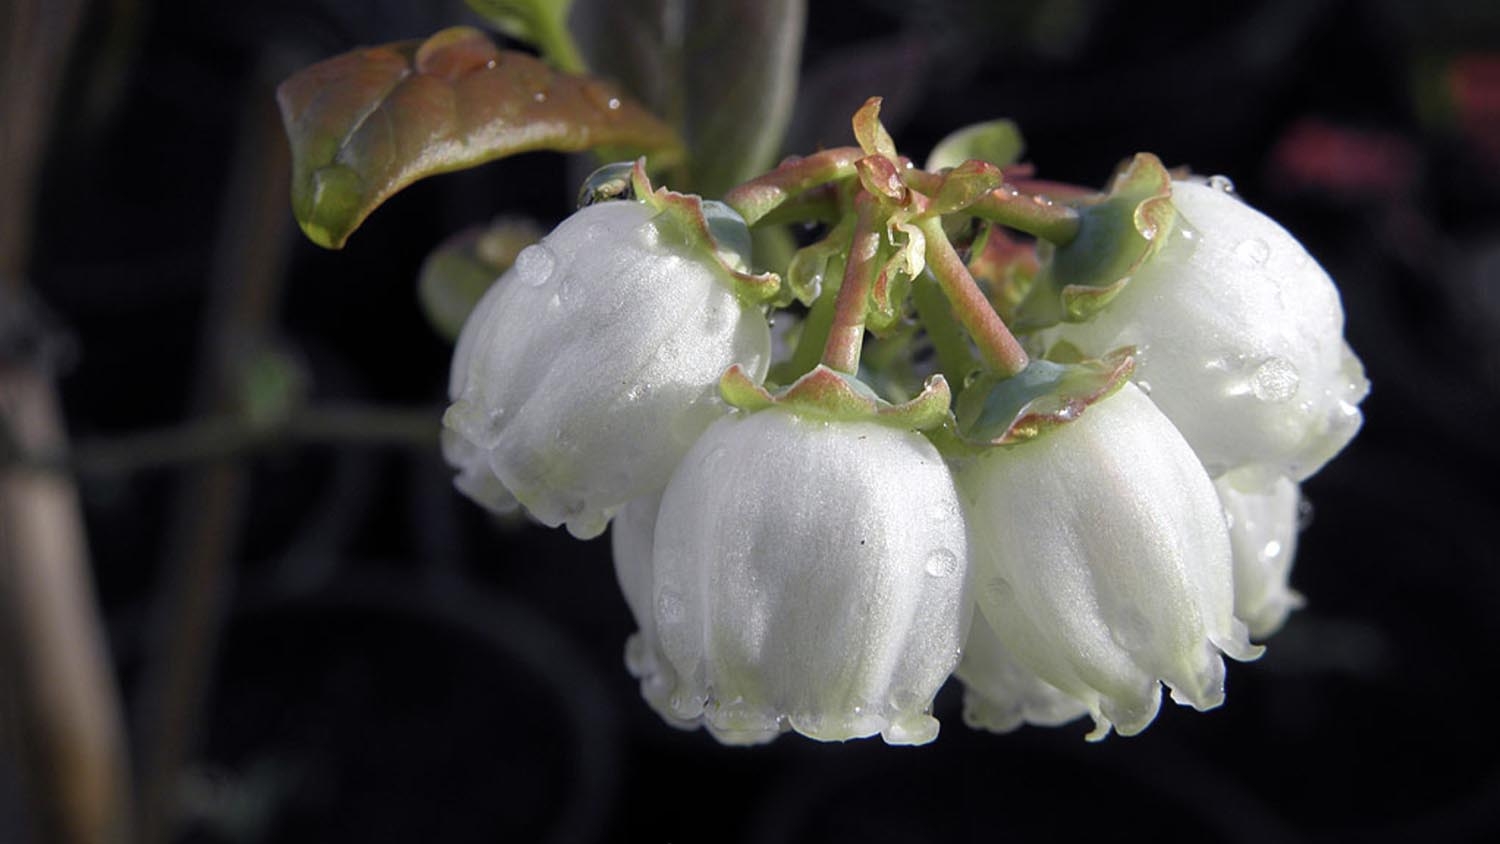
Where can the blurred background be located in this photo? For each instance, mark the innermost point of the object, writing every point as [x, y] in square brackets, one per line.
[304, 633]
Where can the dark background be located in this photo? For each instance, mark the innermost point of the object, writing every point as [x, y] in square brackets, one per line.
[389, 665]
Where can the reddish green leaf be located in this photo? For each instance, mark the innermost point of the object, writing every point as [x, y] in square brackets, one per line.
[368, 123]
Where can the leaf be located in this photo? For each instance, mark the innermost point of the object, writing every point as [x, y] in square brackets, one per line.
[997, 142]
[368, 123]
[724, 72]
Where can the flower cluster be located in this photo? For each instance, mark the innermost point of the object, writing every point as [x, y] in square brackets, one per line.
[1091, 493]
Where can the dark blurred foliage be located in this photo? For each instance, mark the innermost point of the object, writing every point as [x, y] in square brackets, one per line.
[394, 667]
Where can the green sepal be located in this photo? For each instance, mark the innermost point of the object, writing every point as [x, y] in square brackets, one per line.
[995, 411]
[711, 228]
[1118, 232]
[807, 275]
[998, 142]
[828, 394]
[964, 185]
[881, 177]
[871, 133]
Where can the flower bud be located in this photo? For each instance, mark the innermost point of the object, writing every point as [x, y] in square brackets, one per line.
[811, 574]
[1239, 337]
[1263, 533]
[1102, 562]
[591, 366]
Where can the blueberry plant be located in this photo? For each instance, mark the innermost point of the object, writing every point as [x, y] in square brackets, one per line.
[1044, 439]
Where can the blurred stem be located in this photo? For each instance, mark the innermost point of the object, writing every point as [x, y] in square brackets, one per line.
[243, 297]
[233, 436]
[59, 705]
[996, 344]
[556, 43]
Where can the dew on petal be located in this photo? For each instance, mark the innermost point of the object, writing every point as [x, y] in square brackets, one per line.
[941, 563]
[535, 265]
[1275, 380]
[1253, 251]
[669, 606]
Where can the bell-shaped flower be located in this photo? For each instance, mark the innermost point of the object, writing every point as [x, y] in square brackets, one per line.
[1239, 339]
[1001, 693]
[590, 367]
[1263, 520]
[631, 536]
[1102, 562]
[811, 574]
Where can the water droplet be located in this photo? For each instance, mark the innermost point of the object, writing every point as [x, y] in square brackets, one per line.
[490, 65]
[669, 608]
[1221, 184]
[941, 563]
[711, 460]
[535, 265]
[539, 96]
[1253, 251]
[1144, 386]
[1271, 551]
[638, 392]
[1275, 380]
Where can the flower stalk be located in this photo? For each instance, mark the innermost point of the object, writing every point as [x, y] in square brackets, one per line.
[1030, 213]
[997, 346]
[765, 193]
[846, 336]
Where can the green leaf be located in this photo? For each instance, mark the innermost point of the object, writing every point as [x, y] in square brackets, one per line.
[997, 142]
[723, 71]
[459, 271]
[368, 123]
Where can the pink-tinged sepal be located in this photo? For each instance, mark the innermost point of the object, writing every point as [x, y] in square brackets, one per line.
[825, 393]
[996, 411]
[1118, 232]
[693, 224]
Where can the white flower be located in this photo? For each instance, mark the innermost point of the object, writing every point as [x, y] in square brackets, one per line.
[1001, 694]
[810, 575]
[590, 367]
[1240, 339]
[1263, 533]
[1102, 561]
[631, 541]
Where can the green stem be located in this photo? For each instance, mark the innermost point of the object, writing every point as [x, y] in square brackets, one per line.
[556, 43]
[996, 344]
[847, 334]
[955, 358]
[1033, 214]
[764, 193]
